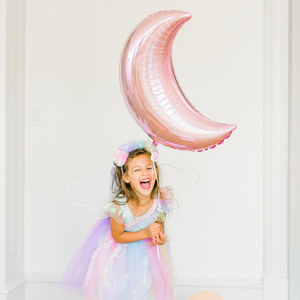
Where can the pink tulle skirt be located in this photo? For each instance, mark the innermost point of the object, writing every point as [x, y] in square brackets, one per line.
[103, 269]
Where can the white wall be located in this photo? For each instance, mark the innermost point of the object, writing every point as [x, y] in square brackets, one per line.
[294, 162]
[72, 56]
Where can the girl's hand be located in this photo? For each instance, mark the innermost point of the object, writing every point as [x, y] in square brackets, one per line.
[161, 239]
[153, 230]
[156, 237]
[153, 242]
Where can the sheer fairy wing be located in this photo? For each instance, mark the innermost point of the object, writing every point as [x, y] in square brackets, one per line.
[96, 191]
[98, 211]
[91, 192]
[174, 182]
[180, 179]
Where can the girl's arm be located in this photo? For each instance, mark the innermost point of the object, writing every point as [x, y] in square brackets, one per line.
[117, 230]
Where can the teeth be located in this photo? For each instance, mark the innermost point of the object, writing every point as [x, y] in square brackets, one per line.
[144, 181]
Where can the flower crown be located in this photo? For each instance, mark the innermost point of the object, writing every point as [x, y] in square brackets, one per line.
[123, 151]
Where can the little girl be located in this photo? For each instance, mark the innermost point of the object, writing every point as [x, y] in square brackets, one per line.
[126, 255]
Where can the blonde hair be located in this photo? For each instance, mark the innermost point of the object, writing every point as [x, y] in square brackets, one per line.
[125, 190]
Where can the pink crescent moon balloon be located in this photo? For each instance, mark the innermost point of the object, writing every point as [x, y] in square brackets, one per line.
[152, 93]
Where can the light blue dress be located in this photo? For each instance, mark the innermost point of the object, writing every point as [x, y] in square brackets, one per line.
[122, 271]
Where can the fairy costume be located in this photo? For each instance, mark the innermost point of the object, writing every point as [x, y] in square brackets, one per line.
[104, 269]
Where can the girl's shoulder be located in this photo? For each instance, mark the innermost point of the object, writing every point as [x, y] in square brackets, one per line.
[164, 206]
[115, 209]
[167, 202]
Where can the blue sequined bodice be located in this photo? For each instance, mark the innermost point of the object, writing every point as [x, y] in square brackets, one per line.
[133, 224]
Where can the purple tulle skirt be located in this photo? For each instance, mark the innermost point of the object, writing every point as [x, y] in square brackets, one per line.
[102, 269]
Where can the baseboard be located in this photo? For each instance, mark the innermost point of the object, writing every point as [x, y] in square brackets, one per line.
[14, 284]
[276, 288]
[239, 283]
[40, 284]
[201, 282]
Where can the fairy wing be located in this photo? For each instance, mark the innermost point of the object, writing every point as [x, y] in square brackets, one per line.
[91, 192]
[96, 191]
[174, 182]
[180, 179]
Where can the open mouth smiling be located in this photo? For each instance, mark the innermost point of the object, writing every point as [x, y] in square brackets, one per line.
[145, 183]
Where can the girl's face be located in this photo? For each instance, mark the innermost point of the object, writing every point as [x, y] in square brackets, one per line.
[140, 175]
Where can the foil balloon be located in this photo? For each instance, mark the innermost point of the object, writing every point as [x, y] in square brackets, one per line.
[152, 93]
[206, 295]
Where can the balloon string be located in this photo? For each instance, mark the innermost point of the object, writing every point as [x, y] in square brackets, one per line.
[157, 249]
[154, 170]
[158, 253]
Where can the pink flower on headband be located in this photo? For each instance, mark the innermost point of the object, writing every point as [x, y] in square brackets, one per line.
[120, 157]
[123, 151]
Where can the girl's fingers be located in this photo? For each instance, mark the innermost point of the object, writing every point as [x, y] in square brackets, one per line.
[157, 238]
[160, 238]
[155, 232]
